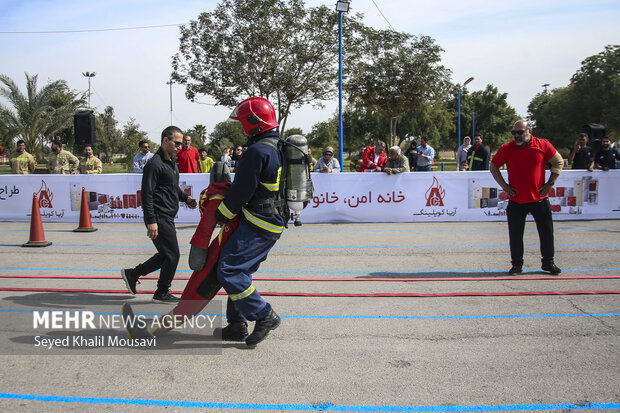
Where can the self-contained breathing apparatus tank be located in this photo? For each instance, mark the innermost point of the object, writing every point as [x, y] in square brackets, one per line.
[299, 188]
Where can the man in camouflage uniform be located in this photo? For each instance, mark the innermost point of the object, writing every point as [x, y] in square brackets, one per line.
[61, 161]
[21, 161]
[90, 164]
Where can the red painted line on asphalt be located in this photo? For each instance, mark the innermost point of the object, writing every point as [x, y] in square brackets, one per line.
[101, 277]
[292, 294]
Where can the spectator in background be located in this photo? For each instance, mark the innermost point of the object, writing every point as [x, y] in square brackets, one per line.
[478, 155]
[464, 166]
[582, 156]
[461, 152]
[606, 158]
[90, 164]
[142, 157]
[22, 162]
[426, 154]
[312, 159]
[235, 157]
[396, 162]
[327, 163]
[206, 163]
[412, 154]
[356, 159]
[374, 158]
[61, 161]
[226, 157]
[188, 157]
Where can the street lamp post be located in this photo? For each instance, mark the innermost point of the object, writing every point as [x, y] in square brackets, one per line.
[89, 75]
[170, 82]
[459, 109]
[341, 7]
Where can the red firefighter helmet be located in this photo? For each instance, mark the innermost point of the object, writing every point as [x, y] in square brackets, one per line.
[256, 115]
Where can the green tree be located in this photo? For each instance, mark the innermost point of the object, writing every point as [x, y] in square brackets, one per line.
[494, 117]
[132, 135]
[397, 73]
[596, 85]
[40, 114]
[225, 134]
[276, 49]
[324, 134]
[108, 135]
[592, 96]
[292, 131]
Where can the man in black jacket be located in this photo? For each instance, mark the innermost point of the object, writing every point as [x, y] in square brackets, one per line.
[161, 195]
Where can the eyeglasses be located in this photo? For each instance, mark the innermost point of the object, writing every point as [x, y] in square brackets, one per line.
[328, 154]
[177, 144]
[145, 147]
[517, 132]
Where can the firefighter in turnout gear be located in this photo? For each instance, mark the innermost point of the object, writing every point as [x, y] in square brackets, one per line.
[255, 196]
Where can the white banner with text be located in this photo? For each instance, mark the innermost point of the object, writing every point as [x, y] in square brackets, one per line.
[344, 197]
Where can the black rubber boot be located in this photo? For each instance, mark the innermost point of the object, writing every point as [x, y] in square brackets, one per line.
[233, 332]
[262, 328]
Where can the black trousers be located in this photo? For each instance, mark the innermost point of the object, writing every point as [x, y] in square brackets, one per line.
[541, 211]
[167, 257]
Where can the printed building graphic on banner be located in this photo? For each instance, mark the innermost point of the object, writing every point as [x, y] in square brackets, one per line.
[564, 199]
[107, 205]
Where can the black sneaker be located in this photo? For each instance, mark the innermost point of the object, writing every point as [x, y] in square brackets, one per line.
[165, 298]
[552, 268]
[515, 270]
[130, 279]
[262, 328]
[232, 332]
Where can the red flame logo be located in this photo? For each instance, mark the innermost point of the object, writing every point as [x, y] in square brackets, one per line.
[435, 194]
[45, 196]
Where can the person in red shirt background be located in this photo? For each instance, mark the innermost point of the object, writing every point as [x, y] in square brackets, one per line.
[188, 157]
[525, 158]
[374, 158]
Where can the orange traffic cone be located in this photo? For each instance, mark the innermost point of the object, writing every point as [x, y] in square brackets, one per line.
[85, 224]
[37, 237]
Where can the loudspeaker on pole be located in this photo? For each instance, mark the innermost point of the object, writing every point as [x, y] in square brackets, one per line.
[37, 236]
[85, 223]
[84, 125]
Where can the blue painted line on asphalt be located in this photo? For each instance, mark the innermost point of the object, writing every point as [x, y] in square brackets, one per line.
[386, 273]
[333, 246]
[348, 230]
[373, 317]
[310, 407]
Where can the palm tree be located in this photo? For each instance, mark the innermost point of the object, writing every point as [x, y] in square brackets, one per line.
[38, 115]
[200, 132]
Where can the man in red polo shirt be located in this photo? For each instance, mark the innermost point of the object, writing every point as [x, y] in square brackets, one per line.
[188, 157]
[525, 158]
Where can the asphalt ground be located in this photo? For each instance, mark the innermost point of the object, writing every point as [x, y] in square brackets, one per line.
[455, 350]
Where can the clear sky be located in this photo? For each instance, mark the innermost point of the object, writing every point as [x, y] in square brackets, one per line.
[517, 46]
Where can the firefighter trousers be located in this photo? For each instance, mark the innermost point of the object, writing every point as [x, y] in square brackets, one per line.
[240, 258]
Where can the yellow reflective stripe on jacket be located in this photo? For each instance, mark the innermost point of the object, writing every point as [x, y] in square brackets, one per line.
[241, 295]
[216, 196]
[225, 211]
[24, 159]
[267, 226]
[273, 186]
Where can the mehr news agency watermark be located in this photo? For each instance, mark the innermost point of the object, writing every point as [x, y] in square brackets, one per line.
[89, 320]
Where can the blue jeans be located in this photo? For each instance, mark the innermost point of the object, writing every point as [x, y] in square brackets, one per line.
[426, 168]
